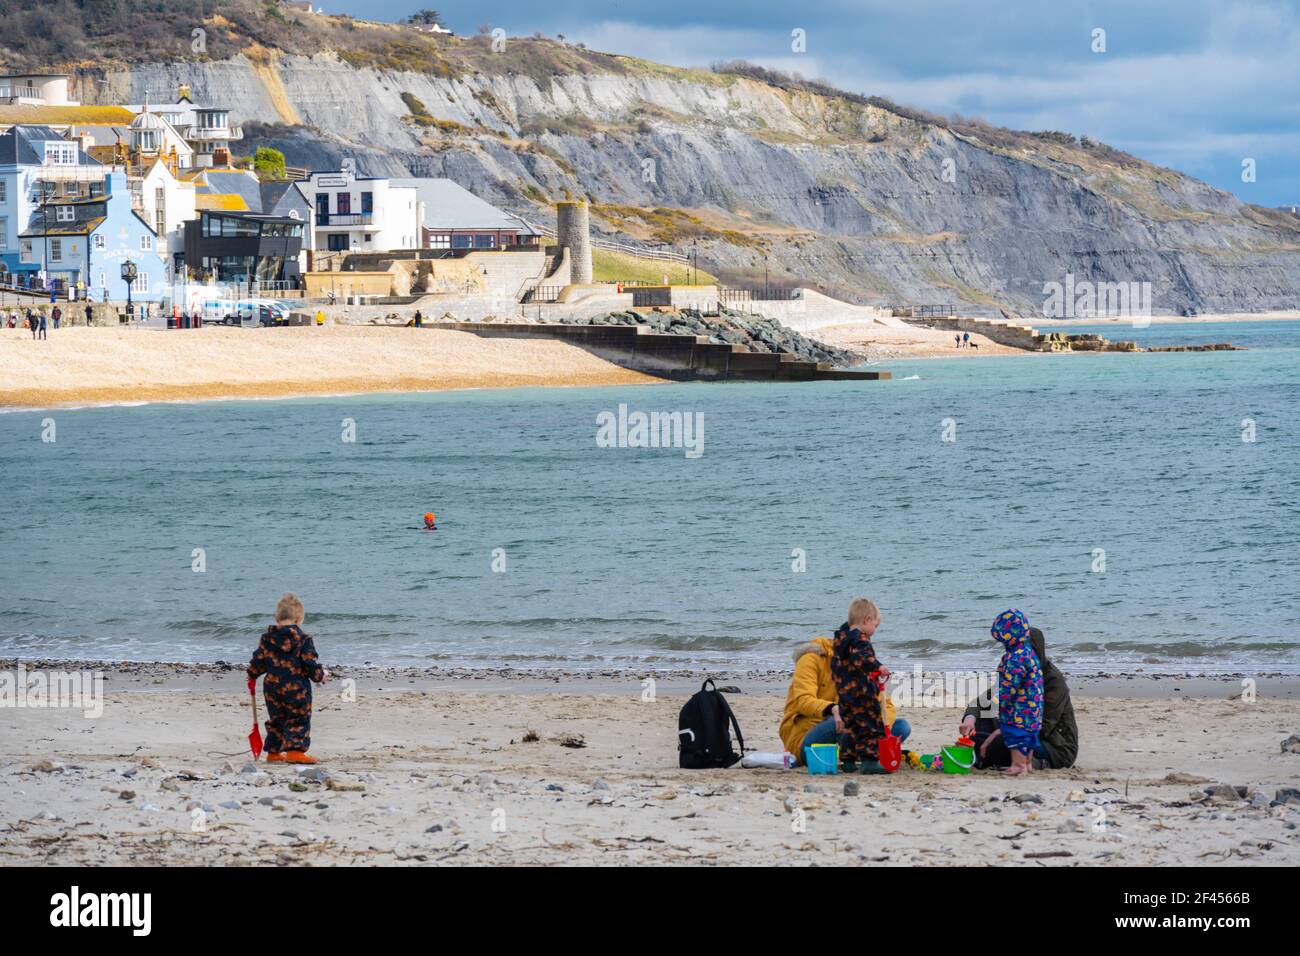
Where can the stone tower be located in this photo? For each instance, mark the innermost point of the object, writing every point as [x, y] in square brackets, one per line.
[573, 232]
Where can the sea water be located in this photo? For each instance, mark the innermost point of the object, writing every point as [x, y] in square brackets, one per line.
[1111, 497]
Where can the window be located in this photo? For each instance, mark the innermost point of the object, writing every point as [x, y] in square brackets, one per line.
[4, 230]
[25, 251]
[461, 241]
[439, 240]
[60, 154]
[141, 283]
[146, 243]
[343, 204]
[367, 204]
[337, 241]
[56, 250]
[4, 187]
[64, 214]
[98, 241]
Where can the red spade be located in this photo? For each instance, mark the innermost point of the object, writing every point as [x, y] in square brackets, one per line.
[255, 738]
[891, 748]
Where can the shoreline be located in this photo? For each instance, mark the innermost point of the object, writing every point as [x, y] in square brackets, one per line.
[173, 676]
[79, 367]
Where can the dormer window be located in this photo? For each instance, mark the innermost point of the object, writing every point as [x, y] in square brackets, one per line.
[64, 214]
[60, 154]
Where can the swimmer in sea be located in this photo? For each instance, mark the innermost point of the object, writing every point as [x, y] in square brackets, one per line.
[429, 524]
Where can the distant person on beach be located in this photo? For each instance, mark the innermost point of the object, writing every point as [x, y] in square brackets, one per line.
[419, 319]
[1020, 692]
[1058, 740]
[811, 712]
[42, 325]
[90, 315]
[31, 322]
[958, 338]
[965, 339]
[56, 315]
[856, 671]
[287, 656]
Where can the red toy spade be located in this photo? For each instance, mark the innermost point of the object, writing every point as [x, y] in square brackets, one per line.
[891, 748]
[255, 738]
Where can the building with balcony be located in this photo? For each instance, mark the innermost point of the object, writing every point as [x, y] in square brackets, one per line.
[362, 214]
[244, 248]
[207, 129]
[35, 89]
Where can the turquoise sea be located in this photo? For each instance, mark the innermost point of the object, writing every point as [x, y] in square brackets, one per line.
[642, 558]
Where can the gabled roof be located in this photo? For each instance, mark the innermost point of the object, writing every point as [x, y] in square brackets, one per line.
[449, 205]
[88, 216]
[24, 146]
[230, 181]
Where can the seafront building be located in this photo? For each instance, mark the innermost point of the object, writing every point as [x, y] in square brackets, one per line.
[68, 222]
[363, 214]
[454, 218]
[206, 130]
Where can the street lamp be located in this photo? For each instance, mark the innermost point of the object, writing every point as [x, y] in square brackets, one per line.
[128, 276]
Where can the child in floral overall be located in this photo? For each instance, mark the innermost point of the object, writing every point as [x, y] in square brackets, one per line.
[1020, 690]
[287, 656]
[855, 670]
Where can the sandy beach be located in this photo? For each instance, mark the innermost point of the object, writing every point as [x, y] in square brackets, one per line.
[500, 769]
[82, 365]
[882, 342]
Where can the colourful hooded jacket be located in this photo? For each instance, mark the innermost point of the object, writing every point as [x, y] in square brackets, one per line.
[1020, 678]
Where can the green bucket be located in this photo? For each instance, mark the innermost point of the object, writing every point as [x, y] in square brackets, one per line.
[958, 759]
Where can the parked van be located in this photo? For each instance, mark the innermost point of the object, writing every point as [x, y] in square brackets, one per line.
[246, 312]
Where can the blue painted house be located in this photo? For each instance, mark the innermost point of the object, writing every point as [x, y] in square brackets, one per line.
[67, 222]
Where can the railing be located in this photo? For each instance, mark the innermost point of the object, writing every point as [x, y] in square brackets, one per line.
[543, 293]
[21, 92]
[663, 252]
[216, 132]
[769, 294]
[345, 219]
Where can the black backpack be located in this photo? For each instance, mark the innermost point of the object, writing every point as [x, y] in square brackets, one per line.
[704, 731]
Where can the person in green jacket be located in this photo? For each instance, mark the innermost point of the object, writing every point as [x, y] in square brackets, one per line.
[1059, 737]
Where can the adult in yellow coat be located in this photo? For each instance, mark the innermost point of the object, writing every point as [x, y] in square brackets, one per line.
[811, 716]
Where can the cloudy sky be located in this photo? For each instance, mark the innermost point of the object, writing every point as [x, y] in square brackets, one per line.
[1199, 85]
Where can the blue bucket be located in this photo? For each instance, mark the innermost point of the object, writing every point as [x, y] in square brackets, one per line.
[822, 758]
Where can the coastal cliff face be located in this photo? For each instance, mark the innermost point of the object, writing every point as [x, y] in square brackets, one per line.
[869, 202]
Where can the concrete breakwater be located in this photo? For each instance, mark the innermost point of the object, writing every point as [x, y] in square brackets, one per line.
[678, 356]
[1027, 337]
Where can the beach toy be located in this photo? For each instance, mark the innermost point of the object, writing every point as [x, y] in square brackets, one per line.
[958, 757]
[822, 758]
[927, 761]
[890, 747]
[255, 738]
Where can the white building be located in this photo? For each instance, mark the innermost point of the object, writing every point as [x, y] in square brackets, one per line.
[207, 129]
[35, 89]
[165, 203]
[363, 214]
